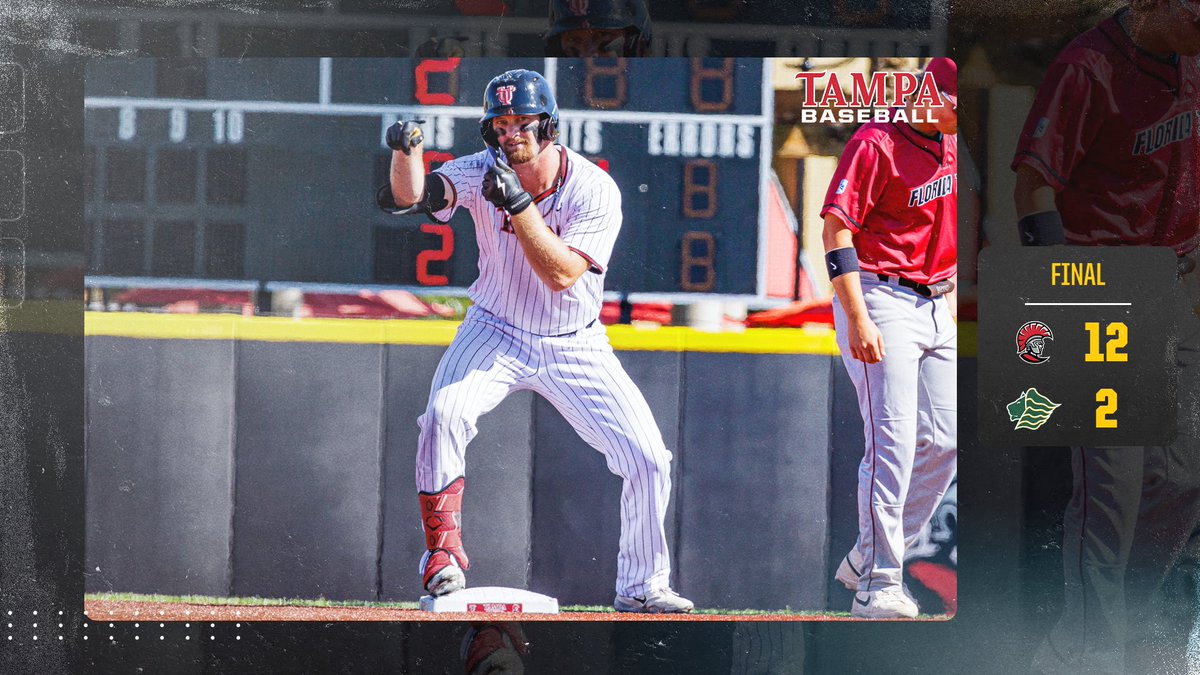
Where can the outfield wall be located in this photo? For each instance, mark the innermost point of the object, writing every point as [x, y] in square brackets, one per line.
[274, 458]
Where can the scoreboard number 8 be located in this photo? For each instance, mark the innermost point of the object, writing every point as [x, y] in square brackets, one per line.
[710, 87]
[699, 257]
[614, 87]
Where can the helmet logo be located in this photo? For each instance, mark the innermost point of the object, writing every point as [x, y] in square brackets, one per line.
[504, 94]
[578, 7]
[1031, 342]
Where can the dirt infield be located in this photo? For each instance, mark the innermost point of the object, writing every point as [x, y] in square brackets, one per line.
[127, 610]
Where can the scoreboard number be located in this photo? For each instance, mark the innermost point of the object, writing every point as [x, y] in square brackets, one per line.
[431, 156]
[701, 74]
[612, 78]
[860, 12]
[699, 257]
[1107, 398]
[424, 277]
[699, 188]
[427, 96]
[1118, 334]
[714, 10]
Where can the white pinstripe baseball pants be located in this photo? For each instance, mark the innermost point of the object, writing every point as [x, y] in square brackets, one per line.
[584, 381]
[909, 405]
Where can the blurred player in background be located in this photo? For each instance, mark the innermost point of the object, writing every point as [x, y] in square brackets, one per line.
[890, 239]
[598, 28]
[546, 220]
[1110, 155]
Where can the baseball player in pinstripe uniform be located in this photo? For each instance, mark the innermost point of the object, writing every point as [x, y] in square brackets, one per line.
[891, 248]
[546, 220]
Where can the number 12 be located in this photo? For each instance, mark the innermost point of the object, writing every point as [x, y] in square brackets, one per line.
[1118, 334]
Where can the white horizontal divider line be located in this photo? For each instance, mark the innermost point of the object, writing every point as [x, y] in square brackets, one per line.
[1078, 304]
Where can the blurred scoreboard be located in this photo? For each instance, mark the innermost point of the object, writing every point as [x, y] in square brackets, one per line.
[906, 14]
[266, 169]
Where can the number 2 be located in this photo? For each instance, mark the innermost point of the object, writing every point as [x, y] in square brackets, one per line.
[1107, 398]
[425, 257]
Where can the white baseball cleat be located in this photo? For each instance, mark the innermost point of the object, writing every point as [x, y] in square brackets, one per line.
[442, 573]
[888, 603]
[850, 571]
[449, 580]
[661, 601]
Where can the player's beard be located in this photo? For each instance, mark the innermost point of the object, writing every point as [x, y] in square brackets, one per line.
[519, 153]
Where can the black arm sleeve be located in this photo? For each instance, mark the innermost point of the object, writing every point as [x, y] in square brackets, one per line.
[432, 201]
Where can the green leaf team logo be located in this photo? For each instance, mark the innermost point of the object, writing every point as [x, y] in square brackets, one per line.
[1031, 409]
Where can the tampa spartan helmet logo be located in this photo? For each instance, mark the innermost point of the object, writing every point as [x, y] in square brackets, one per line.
[505, 94]
[1031, 342]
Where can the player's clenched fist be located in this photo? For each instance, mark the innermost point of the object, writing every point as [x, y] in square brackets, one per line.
[866, 342]
[404, 136]
[502, 188]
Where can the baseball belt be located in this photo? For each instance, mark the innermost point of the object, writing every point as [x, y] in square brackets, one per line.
[928, 291]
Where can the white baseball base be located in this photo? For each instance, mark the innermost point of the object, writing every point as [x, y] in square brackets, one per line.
[491, 599]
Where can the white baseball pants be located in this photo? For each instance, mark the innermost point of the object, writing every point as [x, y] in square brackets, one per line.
[584, 381]
[909, 406]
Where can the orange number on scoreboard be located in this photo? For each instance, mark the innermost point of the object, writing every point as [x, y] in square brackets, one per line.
[699, 255]
[700, 188]
[441, 255]
[722, 74]
[858, 12]
[615, 78]
[714, 10]
[431, 156]
[422, 72]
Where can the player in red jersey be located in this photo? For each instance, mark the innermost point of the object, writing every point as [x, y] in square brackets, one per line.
[1110, 155]
[891, 249]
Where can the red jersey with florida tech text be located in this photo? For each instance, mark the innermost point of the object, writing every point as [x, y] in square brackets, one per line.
[1114, 130]
[897, 190]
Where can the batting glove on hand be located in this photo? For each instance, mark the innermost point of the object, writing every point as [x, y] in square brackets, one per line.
[502, 188]
[404, 136]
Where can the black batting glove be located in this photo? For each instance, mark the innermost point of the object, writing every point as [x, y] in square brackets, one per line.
[404, 136]
[502, 188]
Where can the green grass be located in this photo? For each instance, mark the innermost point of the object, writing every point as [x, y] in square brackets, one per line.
[242, 602]
[322, 602]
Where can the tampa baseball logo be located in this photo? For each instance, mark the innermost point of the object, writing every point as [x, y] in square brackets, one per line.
[1031, 342]
[505, 94]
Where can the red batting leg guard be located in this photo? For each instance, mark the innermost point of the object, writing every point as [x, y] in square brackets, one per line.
[441, 514]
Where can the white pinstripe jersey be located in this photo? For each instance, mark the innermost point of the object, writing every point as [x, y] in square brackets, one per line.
[584, 211]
